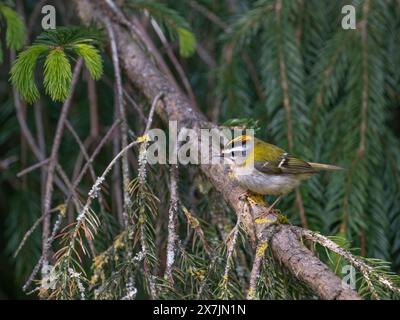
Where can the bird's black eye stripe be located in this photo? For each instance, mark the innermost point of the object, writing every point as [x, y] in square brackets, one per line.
[238, 153]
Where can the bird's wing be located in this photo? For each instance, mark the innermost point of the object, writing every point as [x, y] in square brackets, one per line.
[284, 164]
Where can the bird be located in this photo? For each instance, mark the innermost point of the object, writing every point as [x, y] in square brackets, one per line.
[265, 169]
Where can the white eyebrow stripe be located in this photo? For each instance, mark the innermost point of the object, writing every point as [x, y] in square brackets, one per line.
[284, 158]
[240, 148]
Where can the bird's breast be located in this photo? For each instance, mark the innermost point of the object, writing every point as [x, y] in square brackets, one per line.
[271, 184]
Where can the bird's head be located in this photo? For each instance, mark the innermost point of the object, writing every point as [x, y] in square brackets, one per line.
[238, 149]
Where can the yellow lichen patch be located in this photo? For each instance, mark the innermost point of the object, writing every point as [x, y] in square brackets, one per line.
[119, 243]
[144, 138]
[94, 279]
[261, 249]
[224, 281]
[257, 199]
[282, 219]
[193, 222]
[263, 220]
[251, 294]
[99, 261]
[62, 209]
[197, 273]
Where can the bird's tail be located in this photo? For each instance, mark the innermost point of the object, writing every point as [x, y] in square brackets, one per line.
[321, 166]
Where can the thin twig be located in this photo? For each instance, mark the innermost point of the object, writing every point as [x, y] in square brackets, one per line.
[287, 104]
[42, 145]
[231, 244]
[29, 232]
[81, 147]
[284, 80]
[54, 157]
[140, 35]
[39, 263]
[208, 14]
[33, 167]
[95, 153]
[94, 108]
[127, 96]
[151, 113]
[255, 271]
[300, 206]
[172, 236]
[119, 101]
[365, 79]
[116, 176]
[365, 269]
[174, 60]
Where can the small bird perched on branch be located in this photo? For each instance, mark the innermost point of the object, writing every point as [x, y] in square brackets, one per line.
[266, 169]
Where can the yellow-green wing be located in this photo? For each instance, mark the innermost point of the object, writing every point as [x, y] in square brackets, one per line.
[274, 160]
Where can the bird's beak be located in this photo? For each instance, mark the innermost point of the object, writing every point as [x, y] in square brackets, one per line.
[224, 152]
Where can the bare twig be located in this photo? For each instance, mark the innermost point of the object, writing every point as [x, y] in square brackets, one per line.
[33, 167]
[156, 100]
[255, 271]
[95, 153]
[128, 97]
[4, 164]
[287, 104]
[124, 125]
[300, 206]
[41, 144]
[53, 159]
[365, 269]
[140, 35]
[172, 236]
[41, 260]
[283, 79]
[365, 78]
[116, 176]
[208, 14]
[174, 60]
[94, 109]
[231, 244]
[82, 148]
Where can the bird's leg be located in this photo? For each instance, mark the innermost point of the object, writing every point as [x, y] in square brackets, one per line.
[276, 212]
[271, 207]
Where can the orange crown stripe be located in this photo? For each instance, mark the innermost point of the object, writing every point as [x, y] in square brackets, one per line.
[242, 138]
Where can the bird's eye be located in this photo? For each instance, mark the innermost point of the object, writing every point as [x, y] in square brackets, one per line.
[232, 154]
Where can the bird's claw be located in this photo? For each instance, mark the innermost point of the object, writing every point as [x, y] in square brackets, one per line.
[255, 199]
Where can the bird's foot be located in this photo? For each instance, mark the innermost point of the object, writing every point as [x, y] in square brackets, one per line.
[253, 198]
[275, 212]
[269, 216]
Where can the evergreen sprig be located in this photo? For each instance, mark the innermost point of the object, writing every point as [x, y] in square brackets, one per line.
[15, 32]
[176, 25]
[57, 47]
[57, 75]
